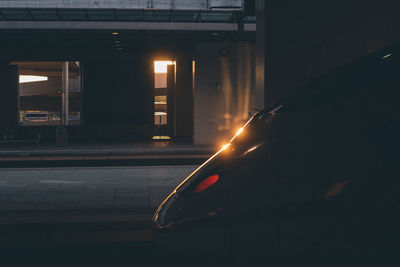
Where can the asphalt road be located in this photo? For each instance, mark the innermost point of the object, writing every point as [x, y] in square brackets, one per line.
[87, 216]
[85, 255]
[140, 254]
[85, 194]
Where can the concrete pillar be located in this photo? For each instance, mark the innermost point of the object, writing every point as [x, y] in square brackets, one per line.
[184, 97]
[65, 94]
[8, 100]
[261, 94]
[62, 133]
[171, 101]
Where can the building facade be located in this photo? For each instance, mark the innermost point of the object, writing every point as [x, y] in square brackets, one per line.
[125, 70]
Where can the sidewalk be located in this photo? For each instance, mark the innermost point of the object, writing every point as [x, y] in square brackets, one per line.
[104, 152]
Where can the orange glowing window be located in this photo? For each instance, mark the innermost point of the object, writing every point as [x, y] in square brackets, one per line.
[161, 66]
[160, 96]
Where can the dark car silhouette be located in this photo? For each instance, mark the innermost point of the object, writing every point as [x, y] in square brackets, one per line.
[310, 181]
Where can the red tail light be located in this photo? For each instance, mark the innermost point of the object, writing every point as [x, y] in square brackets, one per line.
[206, 183]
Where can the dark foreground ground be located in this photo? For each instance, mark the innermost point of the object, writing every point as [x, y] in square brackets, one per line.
[95, 254]
[91, 216]
[101, 254]
[88, 205]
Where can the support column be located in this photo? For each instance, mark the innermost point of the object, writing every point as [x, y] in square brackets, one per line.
[65, 94]
[261, 94]
[171, 101]
[62, 131]
[9, 113]
[184, 97]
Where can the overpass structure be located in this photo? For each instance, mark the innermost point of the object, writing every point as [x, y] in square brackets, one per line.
[125, 19]
[126, 4]
[126, 14]
[95, 65]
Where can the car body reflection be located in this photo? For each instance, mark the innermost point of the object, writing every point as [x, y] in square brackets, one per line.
[310, 181]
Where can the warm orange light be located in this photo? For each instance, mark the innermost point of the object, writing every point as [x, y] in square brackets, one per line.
[239, 131]
[251, 149]
[225, 147]
[115, 33]
[161, 66]
[193, 73]
[161, 137]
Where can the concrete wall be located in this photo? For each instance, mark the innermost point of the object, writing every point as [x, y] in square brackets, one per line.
[8, 99]
[224, 90]
[313, 38]
[184, 96]
[118, 91]
[260, 54]
[157, 4]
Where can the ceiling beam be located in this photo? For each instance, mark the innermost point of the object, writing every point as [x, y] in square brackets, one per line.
[99, 25]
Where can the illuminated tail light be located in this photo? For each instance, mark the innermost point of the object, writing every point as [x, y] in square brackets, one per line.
[206, 183]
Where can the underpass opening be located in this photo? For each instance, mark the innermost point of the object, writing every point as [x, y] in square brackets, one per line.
[40, 93]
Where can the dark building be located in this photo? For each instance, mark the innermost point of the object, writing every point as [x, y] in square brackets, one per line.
[300, 40]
